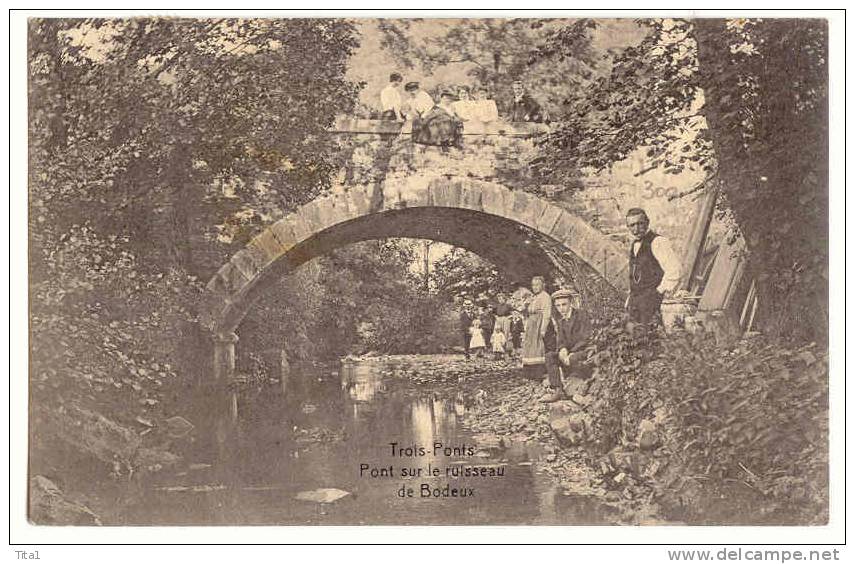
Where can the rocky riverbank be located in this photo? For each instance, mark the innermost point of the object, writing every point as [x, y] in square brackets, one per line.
[674, 431]
[504, 409]
[508, 409]
[678, 428]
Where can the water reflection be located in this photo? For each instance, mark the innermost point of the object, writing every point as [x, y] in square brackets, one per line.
[317, 431]
[423, 421]
[361, 382]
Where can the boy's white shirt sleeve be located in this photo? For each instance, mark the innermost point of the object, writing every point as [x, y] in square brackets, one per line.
[390, 99]
[424, 102]
[664, 253]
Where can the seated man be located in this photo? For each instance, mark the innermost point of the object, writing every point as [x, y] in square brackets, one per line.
[523, 107]
[565, 338]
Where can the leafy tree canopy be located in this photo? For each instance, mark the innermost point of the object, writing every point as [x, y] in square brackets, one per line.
[498, 51]
[136, 114]
[744, 100]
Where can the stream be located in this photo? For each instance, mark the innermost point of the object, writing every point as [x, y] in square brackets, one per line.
[328, 431]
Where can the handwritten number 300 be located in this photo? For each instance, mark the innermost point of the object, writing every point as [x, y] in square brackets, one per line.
[658, 192]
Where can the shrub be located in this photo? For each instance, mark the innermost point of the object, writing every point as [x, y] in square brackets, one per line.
[754, 414]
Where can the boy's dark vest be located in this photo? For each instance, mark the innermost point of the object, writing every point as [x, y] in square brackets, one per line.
[645, 272]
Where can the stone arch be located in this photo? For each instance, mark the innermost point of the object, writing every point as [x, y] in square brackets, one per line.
[405, 207]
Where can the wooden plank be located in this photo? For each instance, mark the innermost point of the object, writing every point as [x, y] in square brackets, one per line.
[726, 271]
[695, 244]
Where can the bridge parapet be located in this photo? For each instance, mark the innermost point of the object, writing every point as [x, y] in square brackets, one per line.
[376, 150]
[382, 153]
[390, 127]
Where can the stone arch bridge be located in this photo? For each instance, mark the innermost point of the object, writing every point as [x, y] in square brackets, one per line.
[393, 188]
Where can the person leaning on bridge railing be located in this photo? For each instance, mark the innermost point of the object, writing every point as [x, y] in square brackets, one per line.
[417, 103]
[464, 106]
[391, 103]
[523, 107]
[439, 126]
[484, 109]
[480, 110]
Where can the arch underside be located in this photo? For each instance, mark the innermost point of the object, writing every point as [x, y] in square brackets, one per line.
[509, 229]
[509, 246]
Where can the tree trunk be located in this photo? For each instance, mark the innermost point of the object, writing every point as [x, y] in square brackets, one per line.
[763, 172]
[427, 267]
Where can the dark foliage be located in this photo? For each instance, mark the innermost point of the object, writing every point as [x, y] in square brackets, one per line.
[746, 102]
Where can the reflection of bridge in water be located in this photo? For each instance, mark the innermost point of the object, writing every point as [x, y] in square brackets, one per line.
[472, 198]
[320, 432]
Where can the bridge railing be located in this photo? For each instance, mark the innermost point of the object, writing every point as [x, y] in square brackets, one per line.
[380, 149]
[352, 125]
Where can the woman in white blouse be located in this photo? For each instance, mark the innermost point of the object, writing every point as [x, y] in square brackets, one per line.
[464, 106]
[484, 109]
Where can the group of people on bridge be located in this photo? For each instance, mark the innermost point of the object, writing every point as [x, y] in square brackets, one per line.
[441, 122]
[553, 329]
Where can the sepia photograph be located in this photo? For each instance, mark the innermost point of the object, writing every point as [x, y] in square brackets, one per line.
[312, 271]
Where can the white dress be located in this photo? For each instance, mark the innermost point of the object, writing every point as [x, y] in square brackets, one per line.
[465, 109]
[498, 342]
[484, 111]
[477, 338]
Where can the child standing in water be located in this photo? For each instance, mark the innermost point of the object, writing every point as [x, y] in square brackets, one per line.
[476, 343]
[498, 341]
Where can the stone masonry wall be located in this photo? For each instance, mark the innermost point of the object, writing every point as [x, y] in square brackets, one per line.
[501, 153]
